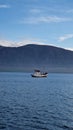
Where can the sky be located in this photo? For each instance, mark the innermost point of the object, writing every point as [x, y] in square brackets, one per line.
[36, 22]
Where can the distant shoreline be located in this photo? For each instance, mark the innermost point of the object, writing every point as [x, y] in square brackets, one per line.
[32, 72]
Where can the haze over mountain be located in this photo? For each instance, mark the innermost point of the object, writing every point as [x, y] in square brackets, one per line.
[30, 57]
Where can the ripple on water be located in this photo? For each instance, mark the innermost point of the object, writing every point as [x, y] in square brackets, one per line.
[32, 104]
[2, 126]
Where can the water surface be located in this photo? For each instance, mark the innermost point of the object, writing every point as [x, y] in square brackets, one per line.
[28, 103]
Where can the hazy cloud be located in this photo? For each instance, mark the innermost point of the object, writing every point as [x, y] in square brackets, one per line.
[44, 19]
[35, 11]
[4, 6]
[65, 37]
[70, 11]
[70, 49]
[21, 43]
[6, 43]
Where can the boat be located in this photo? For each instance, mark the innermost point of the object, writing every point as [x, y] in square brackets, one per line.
[39, 74]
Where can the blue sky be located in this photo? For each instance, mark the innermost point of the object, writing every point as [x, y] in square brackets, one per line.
[36, 21]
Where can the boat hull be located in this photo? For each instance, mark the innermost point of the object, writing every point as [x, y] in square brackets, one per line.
[38, 76]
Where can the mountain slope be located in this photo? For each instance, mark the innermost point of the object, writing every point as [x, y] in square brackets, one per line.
[30, 57]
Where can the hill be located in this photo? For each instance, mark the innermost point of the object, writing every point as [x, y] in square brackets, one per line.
[30, 57]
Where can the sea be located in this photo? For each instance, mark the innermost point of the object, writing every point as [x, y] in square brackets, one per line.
[28, 103]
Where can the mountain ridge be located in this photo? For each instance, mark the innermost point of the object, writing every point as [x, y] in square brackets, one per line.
[29, 57]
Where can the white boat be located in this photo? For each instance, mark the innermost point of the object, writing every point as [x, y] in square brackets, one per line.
[39, 74]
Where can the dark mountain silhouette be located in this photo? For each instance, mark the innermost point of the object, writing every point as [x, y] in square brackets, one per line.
[30, 57]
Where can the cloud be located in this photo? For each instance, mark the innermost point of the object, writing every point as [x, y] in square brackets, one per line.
[65, 37]
[44, 19]
[70, 11]
[4, 6]
[70, 49]
[21, 43]
[6, 43]
[35, 11]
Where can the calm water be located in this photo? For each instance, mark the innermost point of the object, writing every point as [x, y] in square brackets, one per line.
[28, 103]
